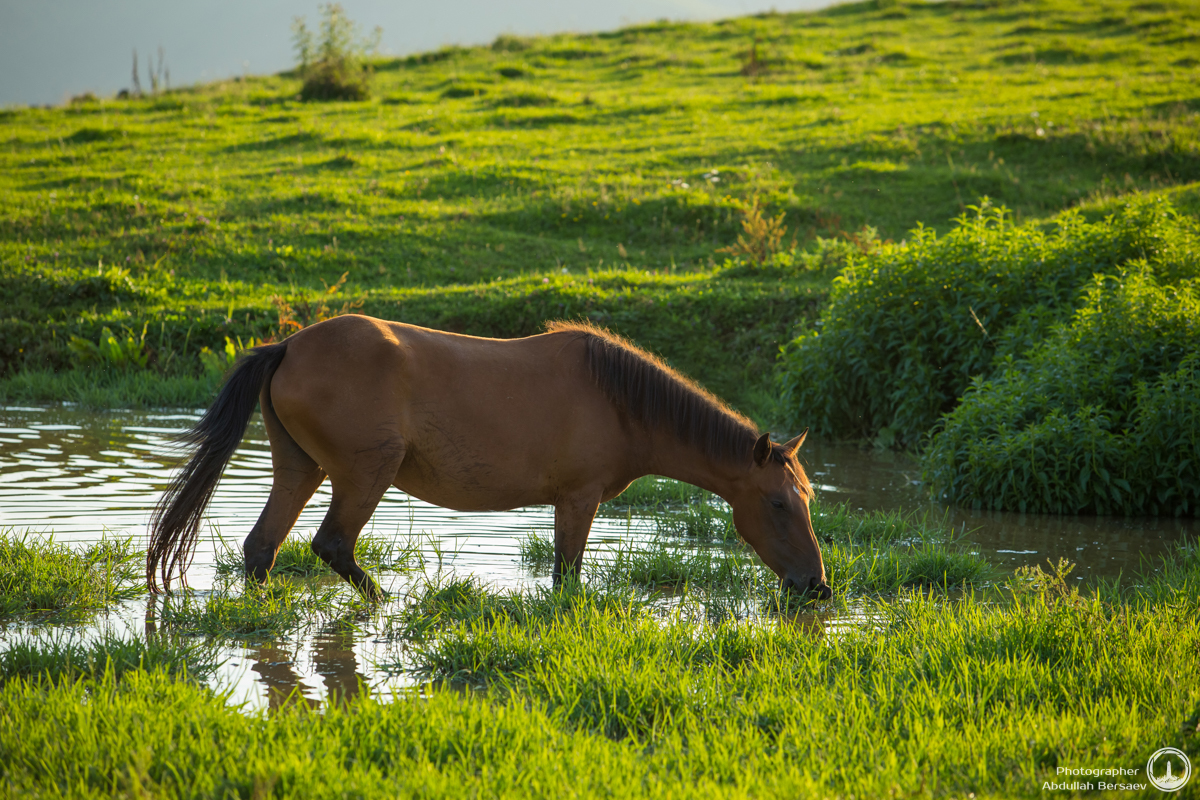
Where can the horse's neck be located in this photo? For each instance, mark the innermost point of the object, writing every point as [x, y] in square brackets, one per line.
[673, 459]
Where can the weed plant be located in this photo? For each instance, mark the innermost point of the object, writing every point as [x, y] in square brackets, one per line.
[58, 658]
[907, 330]
[1102, 417]
[296, 557]
[333, 68]
[38, 574]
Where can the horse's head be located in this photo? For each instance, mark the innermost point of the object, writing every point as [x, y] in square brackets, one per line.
[770, 511]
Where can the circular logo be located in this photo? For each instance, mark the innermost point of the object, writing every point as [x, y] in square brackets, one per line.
[1169, 769]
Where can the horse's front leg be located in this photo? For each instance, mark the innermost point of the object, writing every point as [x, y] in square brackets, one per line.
[572, 523]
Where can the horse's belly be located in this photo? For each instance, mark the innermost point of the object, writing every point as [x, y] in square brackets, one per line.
[498, 473]
[478, 490]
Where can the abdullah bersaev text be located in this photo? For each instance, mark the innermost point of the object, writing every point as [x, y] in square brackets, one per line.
[1090, 786]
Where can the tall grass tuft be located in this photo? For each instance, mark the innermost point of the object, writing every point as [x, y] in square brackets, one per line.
[39, 575]
[537, 550]
[435, 605]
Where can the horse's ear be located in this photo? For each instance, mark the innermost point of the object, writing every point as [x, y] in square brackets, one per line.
[794, 445]
[762, 449]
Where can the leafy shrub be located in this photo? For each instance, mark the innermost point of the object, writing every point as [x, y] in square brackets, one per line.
[336, 80]
[908, 328]
[333, 67]
[1102, 417]
[109, 351]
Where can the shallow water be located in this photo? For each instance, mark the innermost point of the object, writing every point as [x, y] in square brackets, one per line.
[78, 476]
[1100, 547]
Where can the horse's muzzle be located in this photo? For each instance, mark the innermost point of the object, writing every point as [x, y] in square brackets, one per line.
[812, 588]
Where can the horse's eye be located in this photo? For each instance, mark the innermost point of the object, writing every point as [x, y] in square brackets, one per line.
[777, 503]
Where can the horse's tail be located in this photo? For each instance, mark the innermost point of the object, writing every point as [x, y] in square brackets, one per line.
[175, 526]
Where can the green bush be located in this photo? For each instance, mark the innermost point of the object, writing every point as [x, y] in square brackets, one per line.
[1104, 416]
[336, 80]
[907, 329]
[332, 67]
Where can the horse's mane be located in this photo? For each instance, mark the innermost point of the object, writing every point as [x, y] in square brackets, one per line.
[658, 398]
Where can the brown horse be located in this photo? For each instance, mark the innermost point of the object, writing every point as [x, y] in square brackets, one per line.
[567, 418]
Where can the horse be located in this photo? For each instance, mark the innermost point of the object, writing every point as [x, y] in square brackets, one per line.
[567, 418]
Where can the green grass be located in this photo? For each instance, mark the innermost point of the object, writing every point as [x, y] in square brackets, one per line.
[984, 695]
[244, 609]
[696, 548]
[475, 173]
[437, 603]
[297, 559]
[38, 575]
[537, 551]
[652, 492]
[57, 658]
[97, 389]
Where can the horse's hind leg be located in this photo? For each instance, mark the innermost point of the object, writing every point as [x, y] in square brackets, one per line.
[356, 493]
[296, 477]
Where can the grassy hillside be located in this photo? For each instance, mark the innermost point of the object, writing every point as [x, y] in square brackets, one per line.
[579, 175]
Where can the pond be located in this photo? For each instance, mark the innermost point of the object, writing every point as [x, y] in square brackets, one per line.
[78, 476]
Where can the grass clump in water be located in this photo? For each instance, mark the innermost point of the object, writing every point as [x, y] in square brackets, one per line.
[537, 551]
[702, 519]
[39, 575]
[663, 564]
[297, 559]
[60, 659]
[434, 605]
[872, 553]
[277, 606]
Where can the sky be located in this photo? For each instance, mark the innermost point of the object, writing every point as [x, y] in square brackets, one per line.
[51, 50]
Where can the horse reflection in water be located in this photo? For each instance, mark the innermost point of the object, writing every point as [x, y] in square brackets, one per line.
[333, 659]
[567, 418]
